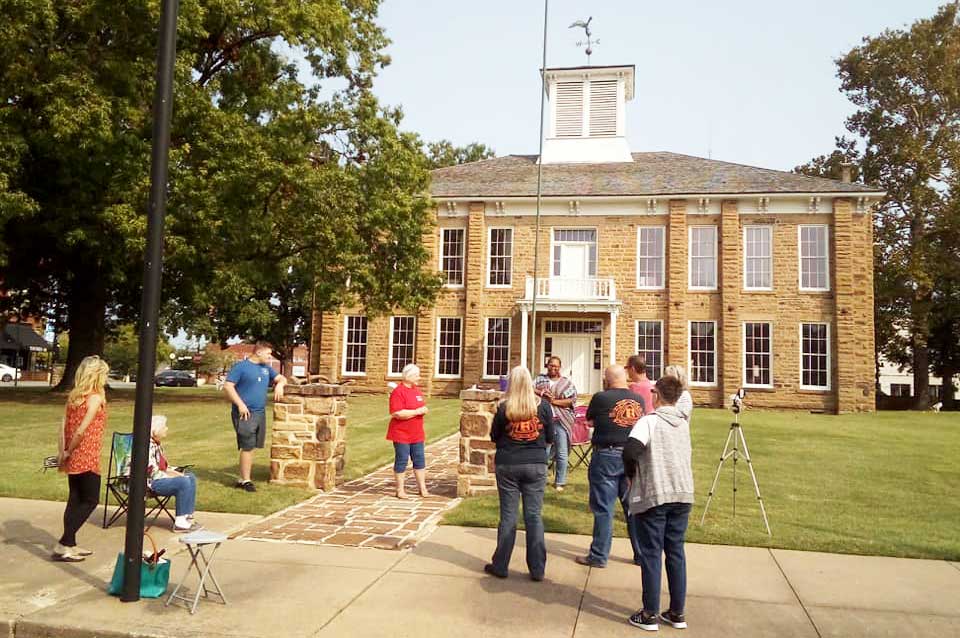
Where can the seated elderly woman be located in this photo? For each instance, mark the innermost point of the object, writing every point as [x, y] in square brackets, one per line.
[168, 481]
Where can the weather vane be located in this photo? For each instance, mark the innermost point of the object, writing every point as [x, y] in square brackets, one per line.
[588, 42]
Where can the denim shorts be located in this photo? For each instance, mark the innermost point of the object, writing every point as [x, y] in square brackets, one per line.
[404, 451]
[252, 432]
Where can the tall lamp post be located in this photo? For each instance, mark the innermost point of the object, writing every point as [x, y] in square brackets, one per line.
[150, 301]
[534, 366]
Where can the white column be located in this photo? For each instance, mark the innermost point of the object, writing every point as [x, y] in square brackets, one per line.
[523, 337]
[613, 337]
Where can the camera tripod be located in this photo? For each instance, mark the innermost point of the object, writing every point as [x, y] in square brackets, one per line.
[736, 435]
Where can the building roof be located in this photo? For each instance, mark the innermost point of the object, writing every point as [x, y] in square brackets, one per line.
[20, 336]
[650, 174]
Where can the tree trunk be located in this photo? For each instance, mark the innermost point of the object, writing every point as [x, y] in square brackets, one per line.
[921, 374]
[947, 389]
[86, 322]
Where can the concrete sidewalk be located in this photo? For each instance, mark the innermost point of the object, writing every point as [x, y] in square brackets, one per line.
[439, 589]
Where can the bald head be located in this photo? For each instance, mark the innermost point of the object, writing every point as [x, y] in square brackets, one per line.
[615, 377]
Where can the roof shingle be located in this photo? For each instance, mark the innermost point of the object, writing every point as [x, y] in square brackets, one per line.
[650, 174]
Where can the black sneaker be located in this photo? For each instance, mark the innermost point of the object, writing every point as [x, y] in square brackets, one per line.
[677, 621]
[645, 621]
[589, 562]
[247, 486]
[493, 572]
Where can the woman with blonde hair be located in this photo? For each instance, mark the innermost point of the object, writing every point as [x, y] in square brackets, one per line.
[685, 402]
[84, 422]
[522, 428]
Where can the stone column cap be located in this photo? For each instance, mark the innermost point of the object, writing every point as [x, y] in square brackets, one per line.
[317, 389]
[481, 395]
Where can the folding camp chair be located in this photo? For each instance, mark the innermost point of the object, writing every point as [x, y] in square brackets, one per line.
[118, 483]
[580, 446]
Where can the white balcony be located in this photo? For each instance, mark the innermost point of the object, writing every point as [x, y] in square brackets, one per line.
[591, 289]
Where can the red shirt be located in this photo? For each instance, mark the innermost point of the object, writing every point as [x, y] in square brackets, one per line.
[643, 389]
[410, 430]
[86, 457]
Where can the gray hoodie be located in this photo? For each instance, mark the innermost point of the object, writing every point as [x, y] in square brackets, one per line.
[657, 458]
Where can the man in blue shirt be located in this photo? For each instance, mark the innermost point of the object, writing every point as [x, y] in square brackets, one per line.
[246, 386]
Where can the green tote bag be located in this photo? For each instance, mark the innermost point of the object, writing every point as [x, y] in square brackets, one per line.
[154, 574]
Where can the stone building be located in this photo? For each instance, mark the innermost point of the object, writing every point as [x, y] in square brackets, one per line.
[750, 277]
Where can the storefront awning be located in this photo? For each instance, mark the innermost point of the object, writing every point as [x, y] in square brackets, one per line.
[19, 336]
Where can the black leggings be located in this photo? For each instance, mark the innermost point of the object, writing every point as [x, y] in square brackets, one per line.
[83, 499]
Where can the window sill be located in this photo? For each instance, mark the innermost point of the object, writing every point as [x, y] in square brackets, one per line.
[453, 286]
[813, 390]
[650, 288]
[355, 375]
[758, 290]
[702, 385]
[447, 377]
[499, 287]
[759, 388]
[692, 289]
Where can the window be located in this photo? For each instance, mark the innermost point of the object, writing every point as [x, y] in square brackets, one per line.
[815, 356]
[650, 345]
[758, 257]
[449, 346]
[935, 392]
[900, 390]
[500, 262]
[451, 255]
[497, 347]
[355, 345]
[580, 245]
[757, 357]
[703, 352]
[814, 258]
[403, 333]
[703, 257]
[650, 256]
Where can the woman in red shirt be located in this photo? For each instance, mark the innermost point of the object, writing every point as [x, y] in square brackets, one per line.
[80, 445]
[407, 408]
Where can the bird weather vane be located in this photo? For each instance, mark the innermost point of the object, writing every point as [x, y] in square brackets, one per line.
[588, 42]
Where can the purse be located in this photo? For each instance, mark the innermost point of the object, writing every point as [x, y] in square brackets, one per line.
[154, 574]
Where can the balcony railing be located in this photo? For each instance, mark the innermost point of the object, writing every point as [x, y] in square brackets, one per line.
[590, 289]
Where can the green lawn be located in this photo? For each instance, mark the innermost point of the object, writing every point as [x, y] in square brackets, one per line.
[883, 484]
[200, 433]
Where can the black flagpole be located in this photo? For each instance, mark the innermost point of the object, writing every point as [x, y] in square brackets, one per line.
[150, 301]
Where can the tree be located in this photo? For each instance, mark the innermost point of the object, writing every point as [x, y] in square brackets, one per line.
[906, 87]
[121, 350]
[444, 153]
[271, 180]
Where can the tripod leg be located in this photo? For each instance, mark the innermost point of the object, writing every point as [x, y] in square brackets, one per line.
[756, 485]
[713, 486]
[736, 457]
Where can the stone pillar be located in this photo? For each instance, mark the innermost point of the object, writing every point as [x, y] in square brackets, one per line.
[328, 341]
[853, 277]
[731, 278]
[309, 441]
[473, 323]
[475, 474]
[676, 334]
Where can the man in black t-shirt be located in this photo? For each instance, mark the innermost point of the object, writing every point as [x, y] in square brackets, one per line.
[613, 413]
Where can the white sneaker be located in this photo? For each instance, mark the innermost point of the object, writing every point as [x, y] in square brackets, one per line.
[66, 554]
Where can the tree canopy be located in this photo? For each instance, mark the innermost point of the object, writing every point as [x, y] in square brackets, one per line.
[905, 85]
[283, 192]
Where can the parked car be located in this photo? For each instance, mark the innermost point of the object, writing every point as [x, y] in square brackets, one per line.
[175, 378]
[8, 373]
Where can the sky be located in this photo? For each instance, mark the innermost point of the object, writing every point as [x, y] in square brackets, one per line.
[746, 81]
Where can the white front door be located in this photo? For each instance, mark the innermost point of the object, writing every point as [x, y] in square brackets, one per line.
[576, 355]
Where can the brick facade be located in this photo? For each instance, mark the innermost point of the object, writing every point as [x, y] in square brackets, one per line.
[846, 307]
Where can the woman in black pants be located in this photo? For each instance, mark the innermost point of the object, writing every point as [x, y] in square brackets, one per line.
[80, 445]
[522, 428]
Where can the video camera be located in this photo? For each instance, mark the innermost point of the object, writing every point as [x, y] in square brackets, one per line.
[736, 400]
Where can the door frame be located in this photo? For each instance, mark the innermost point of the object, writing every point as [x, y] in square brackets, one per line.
[603, 334]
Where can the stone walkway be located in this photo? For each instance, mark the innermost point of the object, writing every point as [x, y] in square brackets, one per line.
[365, 512]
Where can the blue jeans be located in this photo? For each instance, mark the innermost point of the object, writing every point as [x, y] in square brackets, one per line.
[404, 451]
[608, 484]
[184, 488]
[513, 481]
[661, 530]
[560, 447]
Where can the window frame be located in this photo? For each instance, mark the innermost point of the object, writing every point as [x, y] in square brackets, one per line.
[743, 354]
[489, 270]
[662, 257]
[463, 256]
[690, 257]
[596, 246]
[486, 345]
[636, 342]
[390, 343]
[436, 370]
[702, 384]
[800, 383]
[769, 258]
[800, 257]
[345, 343]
